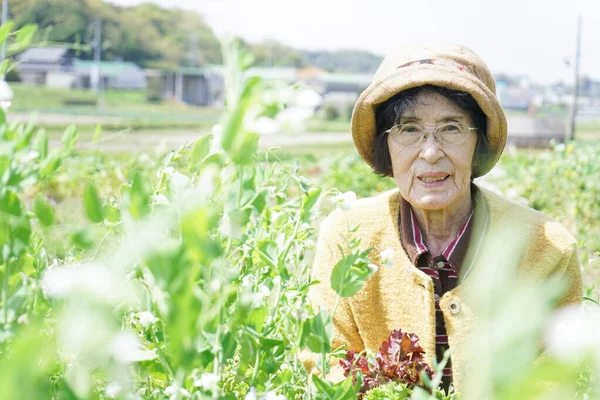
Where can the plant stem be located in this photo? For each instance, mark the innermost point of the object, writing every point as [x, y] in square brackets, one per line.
[5, 292]
[337, 303]
[256, 362]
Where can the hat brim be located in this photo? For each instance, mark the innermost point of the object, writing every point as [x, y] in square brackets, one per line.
[363, 116]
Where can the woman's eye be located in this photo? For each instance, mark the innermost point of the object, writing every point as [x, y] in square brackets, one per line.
[451, 128]
[410, 129]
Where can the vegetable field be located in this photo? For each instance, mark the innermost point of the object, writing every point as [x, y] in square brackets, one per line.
[187, 274]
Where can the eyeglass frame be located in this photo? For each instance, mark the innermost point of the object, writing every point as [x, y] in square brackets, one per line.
[434, 131]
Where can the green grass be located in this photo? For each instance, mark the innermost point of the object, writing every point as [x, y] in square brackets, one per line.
[116, 103]
[323, 125]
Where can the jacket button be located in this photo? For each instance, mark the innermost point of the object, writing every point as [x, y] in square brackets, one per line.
[454, 307]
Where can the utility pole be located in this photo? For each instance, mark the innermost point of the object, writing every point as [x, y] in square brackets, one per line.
[95, 77]
[4, 20]
[576, 83]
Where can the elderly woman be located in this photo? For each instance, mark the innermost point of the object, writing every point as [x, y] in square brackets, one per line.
[432, 121]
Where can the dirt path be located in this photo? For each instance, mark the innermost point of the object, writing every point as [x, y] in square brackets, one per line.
[136, 142]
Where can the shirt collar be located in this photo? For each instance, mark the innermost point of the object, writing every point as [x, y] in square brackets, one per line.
[414, 244]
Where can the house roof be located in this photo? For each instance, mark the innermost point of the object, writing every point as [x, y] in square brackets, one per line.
[273, 73]
[340, 78]
[43, 54]
[107, 68]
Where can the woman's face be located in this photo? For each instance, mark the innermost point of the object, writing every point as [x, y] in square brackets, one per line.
[433, 175]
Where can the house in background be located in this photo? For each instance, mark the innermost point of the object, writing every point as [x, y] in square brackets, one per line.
[113, 75]
[198, 86]
[48, 66]
[57, 67]
[339, 90]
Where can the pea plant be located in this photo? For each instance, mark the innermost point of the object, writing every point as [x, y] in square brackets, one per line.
[190, 278]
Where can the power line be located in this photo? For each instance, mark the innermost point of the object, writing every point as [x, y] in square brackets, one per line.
[576, 83]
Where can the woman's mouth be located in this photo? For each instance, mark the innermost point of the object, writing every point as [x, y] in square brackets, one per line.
[432, 179]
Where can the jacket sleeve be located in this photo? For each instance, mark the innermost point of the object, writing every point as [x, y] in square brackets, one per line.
[570, 270]
[345, 330]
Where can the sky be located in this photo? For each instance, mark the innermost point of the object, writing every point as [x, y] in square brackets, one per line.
[535, 38]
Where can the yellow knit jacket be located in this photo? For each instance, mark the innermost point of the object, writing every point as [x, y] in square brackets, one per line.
[402, 296]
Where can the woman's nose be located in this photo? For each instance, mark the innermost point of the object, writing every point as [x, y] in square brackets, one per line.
[430, 149]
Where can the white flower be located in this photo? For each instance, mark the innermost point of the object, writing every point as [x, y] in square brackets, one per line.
[229, 228]
[93, 280]
[574, 332]
[160, 199]
[207, 182]
[126, 348]
[264, 291]
[179, 181]
[146, 318]
[271, 395]
[308, 98]
[251, 394]
[266, 126]
[208, 380]
[215, 286]
[174, 391]
[28, 157]
[345, 201]
[387, 257]
[113, 389]
[293, 119]
[248, 281]
[373, 268]
[217, 132]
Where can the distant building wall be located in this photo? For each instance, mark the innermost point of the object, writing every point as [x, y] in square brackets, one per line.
[33, 77]
[60, 79]
[194, 86]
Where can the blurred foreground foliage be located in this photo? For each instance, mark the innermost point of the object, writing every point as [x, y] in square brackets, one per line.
[186, 275]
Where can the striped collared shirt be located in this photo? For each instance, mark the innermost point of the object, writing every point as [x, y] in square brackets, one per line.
[443, 268]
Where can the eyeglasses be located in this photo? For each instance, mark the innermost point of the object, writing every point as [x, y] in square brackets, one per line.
[410, 134]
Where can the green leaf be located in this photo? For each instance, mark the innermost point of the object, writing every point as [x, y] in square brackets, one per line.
[312, 196]
[244, 152]
[40, 144]
[233, 125]
[317, 333]
[23, 38]
[82, 238]
[93, 205]
[70, 137]
[15, 228]
[112, 213]
[5, 31]
[25, 135]
[350, 274]
[51, 164]
[260, 201]
[97, 133]
[44, 211]
[256, 318]
[324, 388]
[2, 117]
[283, 377]
[138, 196]
[6, 66]
[229, 344]
[344, 390]
[200, 150]
[419, 393]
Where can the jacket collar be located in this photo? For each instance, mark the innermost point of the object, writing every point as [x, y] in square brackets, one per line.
[480, 222]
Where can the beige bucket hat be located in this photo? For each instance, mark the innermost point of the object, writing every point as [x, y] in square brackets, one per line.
[441, 64]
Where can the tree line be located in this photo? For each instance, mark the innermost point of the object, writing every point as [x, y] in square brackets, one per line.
[156, 37]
